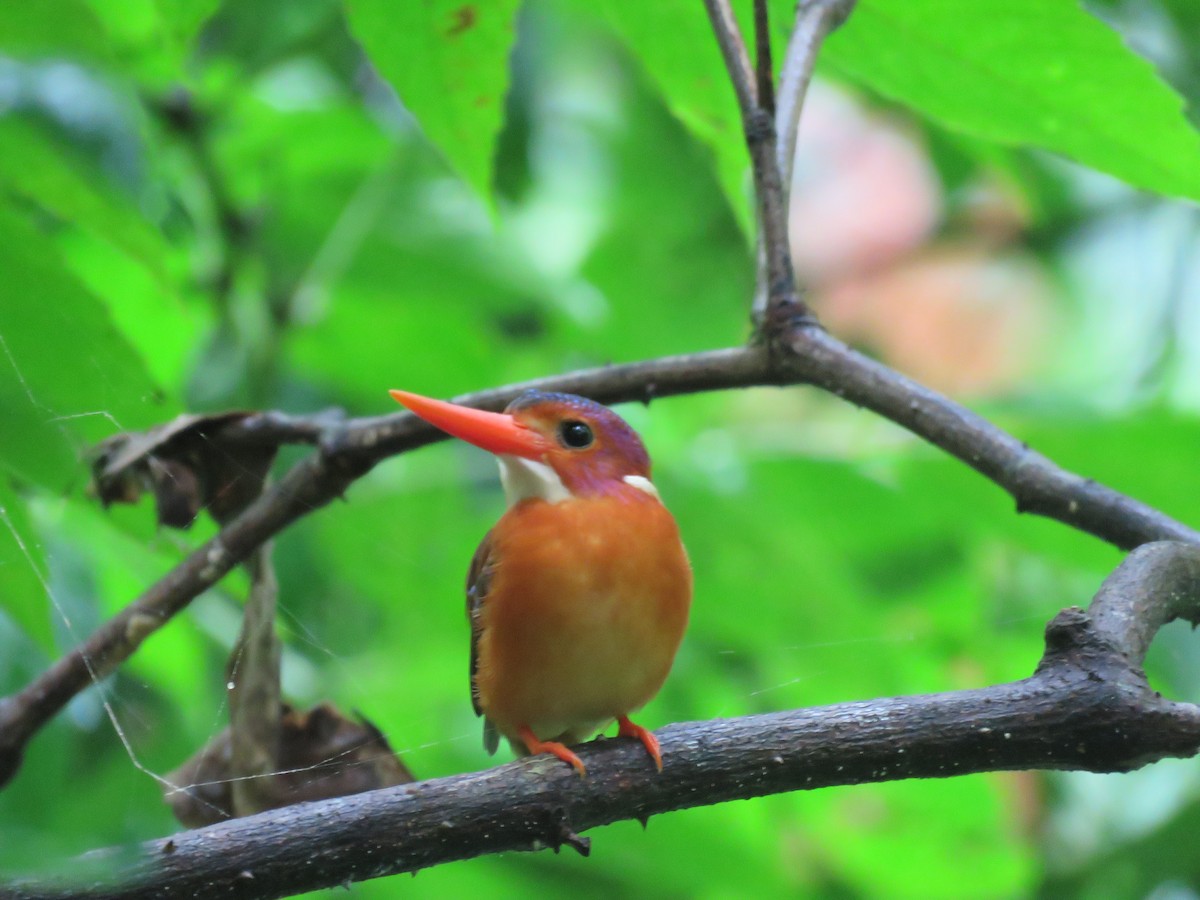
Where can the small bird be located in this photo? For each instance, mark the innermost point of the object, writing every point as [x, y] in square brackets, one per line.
[578, 597]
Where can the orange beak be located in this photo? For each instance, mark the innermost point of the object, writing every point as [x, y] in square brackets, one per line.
[497, 433]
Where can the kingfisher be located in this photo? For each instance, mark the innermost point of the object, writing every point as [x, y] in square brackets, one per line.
[578, 597]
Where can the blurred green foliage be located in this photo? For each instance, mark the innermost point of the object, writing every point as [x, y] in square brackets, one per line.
[210, 205]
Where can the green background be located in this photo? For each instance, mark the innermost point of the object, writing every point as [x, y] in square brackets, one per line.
[445, 196]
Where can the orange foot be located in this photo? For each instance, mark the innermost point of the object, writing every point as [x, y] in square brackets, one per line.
[649, 741]
[533, 745]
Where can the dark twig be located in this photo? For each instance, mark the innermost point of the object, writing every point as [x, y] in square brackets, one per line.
[733, 51]
[764, 71]
[1087, 707]
[775, 260]
[1037, 484]
[274, 429]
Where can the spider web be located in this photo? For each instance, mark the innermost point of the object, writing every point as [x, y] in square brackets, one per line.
[121, 713]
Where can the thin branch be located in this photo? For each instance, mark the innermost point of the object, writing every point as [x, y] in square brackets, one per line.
[733, 51]
[273, 429]
[804, 354]
[1037, 484]
[764, 71]
[345, 453]
[1087, 707]
[774, 250]
[815, 19]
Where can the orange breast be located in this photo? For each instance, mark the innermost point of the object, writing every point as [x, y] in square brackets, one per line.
[587, 605]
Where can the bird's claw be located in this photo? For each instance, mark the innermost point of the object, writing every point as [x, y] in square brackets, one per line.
[534, 746]
[627, 728]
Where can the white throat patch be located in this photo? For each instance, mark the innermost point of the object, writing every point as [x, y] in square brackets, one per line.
[642, 484]
[524, 479]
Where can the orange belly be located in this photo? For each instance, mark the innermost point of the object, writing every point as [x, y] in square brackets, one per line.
[587, 606]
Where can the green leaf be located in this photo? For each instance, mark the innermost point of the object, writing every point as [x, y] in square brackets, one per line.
[653, 225]
[68, 377]
[448, 61]
[1029, 73]
[970, 820]
[185, 18]
[673, 42]
[51, 28]
[23, 571]
[153, 38]
[34, 166]
[149, 311]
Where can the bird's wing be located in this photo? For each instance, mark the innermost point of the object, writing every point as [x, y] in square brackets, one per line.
[479, 578]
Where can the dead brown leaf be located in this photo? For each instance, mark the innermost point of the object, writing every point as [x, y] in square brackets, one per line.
[322, 754]
[187, 466]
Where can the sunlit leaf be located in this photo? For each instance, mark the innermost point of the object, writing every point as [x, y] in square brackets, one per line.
[39, 170]
[51, 28]
[1026, 73]
[673, 41]
[186, 17]
[448, 61]
[23, 572]
[66, 373]
[669, 209]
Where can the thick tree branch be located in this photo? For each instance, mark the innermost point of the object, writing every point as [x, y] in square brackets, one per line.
[1156, 584]
[1088, 706]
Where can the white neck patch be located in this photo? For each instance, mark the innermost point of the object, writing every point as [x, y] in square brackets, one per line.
[642, 484]
[524, 479]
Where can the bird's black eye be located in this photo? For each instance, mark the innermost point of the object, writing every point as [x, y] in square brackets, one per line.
[575, 434]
